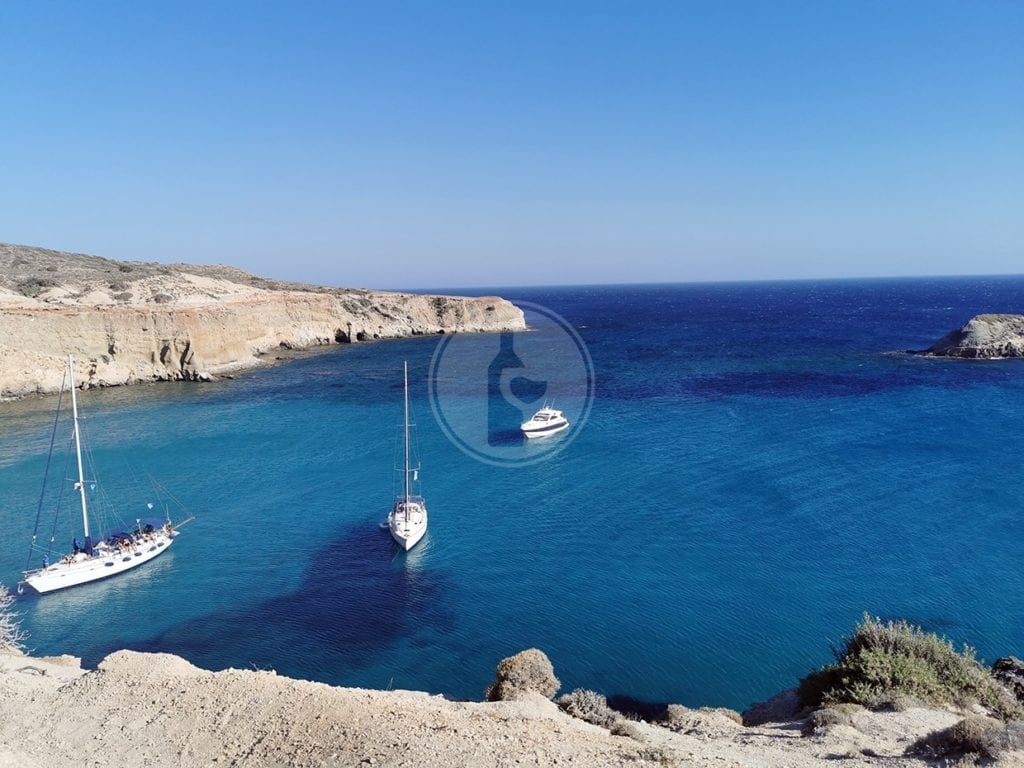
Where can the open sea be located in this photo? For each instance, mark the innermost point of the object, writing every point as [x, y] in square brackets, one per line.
[761, 465]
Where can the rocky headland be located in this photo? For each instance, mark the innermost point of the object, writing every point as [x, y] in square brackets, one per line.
[986, 337]
[129, 321]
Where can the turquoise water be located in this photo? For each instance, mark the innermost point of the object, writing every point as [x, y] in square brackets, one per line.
[760, 466]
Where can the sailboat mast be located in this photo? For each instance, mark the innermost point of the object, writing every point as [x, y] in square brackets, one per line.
[406, 376]
[78, 448]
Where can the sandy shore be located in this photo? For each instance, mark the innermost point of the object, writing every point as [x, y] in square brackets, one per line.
[139, 710]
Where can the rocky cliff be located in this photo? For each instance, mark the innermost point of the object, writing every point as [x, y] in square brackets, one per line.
[984, 336]
[135, 321]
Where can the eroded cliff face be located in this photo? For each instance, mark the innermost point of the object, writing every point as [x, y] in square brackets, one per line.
[983, 337]
[156, 323]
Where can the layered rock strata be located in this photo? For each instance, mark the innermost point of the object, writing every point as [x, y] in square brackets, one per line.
[130, 322]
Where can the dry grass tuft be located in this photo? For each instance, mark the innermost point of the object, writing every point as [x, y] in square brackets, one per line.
[589, 706]
[12, 638]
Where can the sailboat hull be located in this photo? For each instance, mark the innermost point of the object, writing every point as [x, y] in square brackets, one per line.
[104, 565]
[408, 526]
[407, 539]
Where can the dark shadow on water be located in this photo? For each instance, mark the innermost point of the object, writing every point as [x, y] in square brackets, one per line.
[645, 710]
[505, 437]
[356, 600]
[881, 374]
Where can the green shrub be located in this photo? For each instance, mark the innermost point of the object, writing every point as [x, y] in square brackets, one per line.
[894, 658]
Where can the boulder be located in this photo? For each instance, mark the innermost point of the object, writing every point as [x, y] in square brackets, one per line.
[1009, 670]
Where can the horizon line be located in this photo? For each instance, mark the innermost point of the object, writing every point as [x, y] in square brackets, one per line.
[740, 281]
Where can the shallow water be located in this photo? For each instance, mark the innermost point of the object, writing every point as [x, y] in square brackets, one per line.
[760, 466]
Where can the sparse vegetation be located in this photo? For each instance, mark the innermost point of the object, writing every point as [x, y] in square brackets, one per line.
[823, 719]
[705, 722]
[896, 702]
[589, 706]
[885, 659]
[21, 265]
[528, 670]
[1009, 670]
[12, 638]
[1006, 739]
[36, 285]
[626, 727]
[731, 714]
[973, 735]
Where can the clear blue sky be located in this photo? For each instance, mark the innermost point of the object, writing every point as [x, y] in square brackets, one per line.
[484, 143]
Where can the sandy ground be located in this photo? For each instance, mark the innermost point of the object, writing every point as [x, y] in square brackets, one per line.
[158, 710]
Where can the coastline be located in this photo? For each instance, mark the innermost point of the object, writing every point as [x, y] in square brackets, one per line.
[117, 346]
[138, 710]
[134, 322]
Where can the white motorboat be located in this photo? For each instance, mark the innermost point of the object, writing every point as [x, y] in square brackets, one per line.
[546, 421]
[114, 553]
[407, 520]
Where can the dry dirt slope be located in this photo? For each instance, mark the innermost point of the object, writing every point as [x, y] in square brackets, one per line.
[140, 710]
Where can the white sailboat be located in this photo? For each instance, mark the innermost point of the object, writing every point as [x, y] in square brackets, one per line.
[407, 520]
[115, 553]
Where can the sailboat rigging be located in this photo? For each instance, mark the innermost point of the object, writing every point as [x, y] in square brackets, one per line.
[407, 520]
[115, 552]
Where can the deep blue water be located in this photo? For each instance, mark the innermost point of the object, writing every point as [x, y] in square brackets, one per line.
[761, 465]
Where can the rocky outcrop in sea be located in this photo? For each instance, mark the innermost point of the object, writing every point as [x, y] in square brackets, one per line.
[983, 337]
[129, 322]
